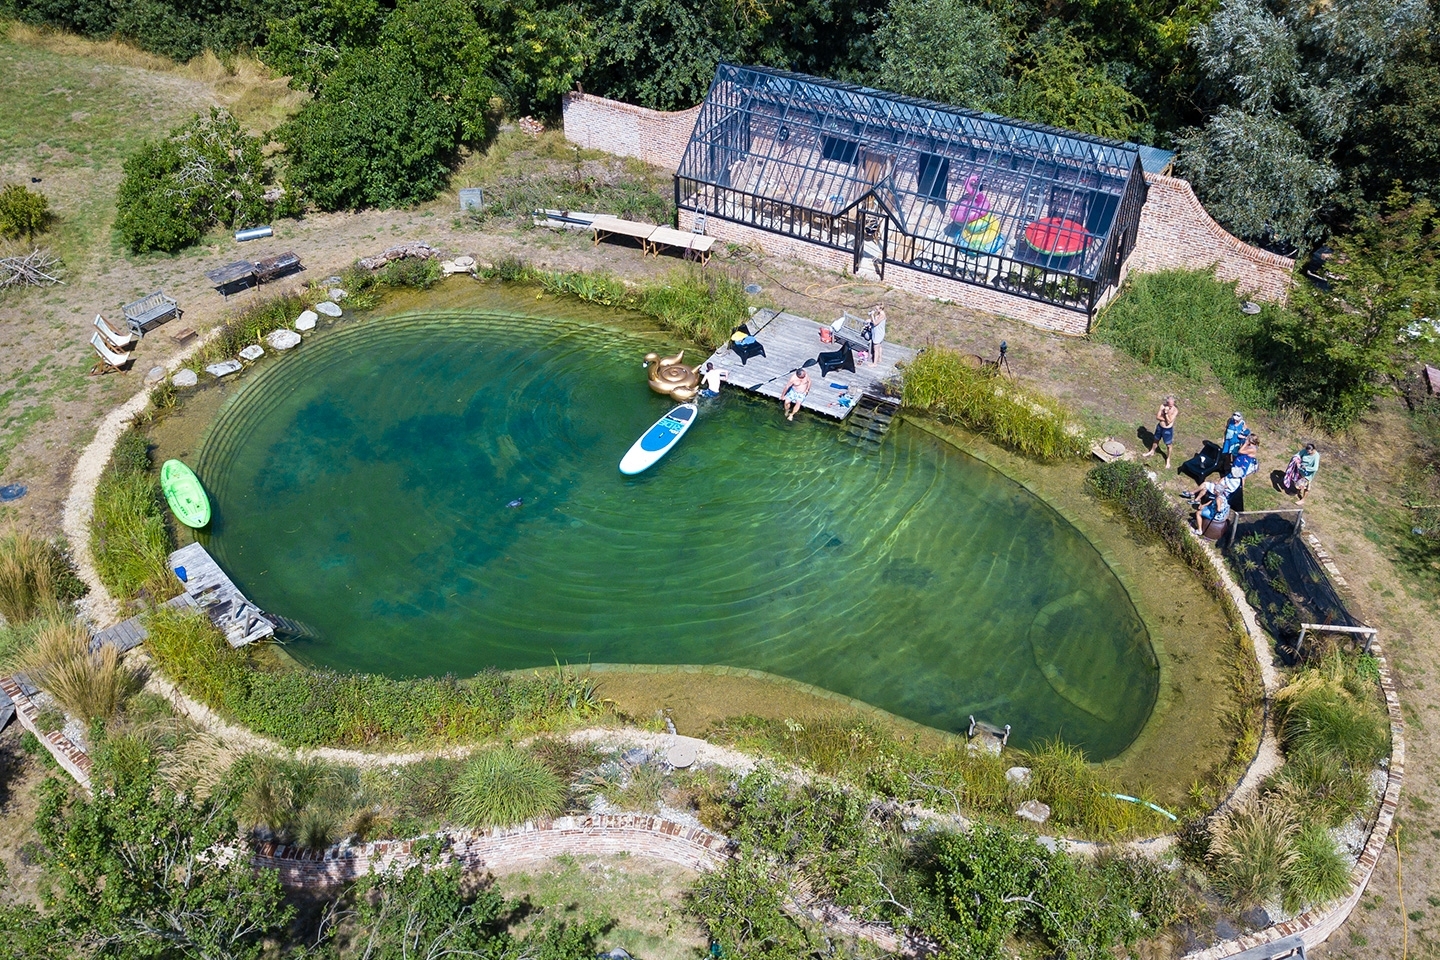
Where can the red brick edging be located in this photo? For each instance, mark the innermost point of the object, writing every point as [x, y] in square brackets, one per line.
[66, 752]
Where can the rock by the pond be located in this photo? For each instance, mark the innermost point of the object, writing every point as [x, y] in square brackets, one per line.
[224, 368]
[1018, 774]
[154, 374]
[252, 352]
[185, 378]
[283, 339]
[328, 308]
[307, 320]
[338, 293]
[1034, 811]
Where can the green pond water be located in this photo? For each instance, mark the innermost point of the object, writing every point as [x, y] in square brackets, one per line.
[361, 487]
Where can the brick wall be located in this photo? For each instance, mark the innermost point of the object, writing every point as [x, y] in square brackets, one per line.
[628, 131]
[1175, 231]
[67, 753]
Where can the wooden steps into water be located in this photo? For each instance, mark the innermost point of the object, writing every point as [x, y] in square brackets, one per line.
[789, 341]
[212, 591]
[870, 420]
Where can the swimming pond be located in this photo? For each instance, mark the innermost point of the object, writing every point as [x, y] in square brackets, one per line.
[362, 488]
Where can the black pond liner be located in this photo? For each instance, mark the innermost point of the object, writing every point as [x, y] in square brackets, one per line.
[1283, 580]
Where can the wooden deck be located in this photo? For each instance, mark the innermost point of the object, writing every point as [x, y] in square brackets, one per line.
[129, 634]
[789, 341]
[212, 591]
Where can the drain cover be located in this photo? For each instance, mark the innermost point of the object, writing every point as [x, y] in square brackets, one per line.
[11, 491]
[752, 288]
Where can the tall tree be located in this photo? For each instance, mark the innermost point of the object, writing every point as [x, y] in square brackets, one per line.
[953, 51]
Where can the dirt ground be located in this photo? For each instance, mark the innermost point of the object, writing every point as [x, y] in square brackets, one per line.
[49, 406]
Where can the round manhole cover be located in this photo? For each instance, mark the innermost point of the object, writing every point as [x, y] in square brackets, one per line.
[752, 288]
[1113, 447]
[11, 491]
[681, 755]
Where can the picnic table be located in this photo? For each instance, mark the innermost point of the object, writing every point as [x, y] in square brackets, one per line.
[272, 268]
[232, 277]
[695, 244]
[151, 311]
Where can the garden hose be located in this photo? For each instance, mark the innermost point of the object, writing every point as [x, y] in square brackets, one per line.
[1145, 803]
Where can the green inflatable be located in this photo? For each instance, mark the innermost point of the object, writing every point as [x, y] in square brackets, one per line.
[183, 492]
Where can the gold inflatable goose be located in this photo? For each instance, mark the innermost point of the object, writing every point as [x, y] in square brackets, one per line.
[671, 377]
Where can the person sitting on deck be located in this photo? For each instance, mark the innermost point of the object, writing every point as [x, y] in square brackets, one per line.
[710, 377]
[795, 391]
[1223, 487]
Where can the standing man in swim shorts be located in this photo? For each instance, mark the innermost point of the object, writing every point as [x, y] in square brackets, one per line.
[1165, 428]
[795, 390]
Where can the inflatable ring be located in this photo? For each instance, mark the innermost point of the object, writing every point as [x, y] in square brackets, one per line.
[669, 376]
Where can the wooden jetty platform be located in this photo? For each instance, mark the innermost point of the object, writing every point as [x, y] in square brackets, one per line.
[208, 589]
[789, 341]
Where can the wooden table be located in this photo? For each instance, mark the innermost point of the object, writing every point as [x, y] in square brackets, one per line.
[614, 226]
[696, 245]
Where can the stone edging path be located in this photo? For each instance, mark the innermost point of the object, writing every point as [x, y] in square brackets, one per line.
[594, 833]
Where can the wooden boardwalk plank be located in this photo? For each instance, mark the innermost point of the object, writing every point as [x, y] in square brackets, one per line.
[208, 588]
[789, 341]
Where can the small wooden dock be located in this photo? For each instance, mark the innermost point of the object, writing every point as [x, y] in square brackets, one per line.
[789, 341]
[212, 591]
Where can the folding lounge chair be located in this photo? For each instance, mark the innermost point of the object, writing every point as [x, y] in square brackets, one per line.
[109, 359]
[117, 338]
[746, 350]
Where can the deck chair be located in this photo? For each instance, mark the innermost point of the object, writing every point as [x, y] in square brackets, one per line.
[842, 359]
[117, 338]
[745, 350]
[109, 359]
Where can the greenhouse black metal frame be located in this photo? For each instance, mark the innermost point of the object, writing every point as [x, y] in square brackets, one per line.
[1031, 210]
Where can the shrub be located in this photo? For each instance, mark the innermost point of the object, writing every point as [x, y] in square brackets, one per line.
[208, 171]
[22, 213]
[503, 787]
[1321, 785]
[412, 272]
[36, 577]
[1317, 714]
[188, 649]
[1251, 849]
[942, 381]
[1188, 322]
[128, 536]
[89, 685]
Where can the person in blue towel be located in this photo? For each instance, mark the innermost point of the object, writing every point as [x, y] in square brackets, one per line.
[1247, 455]
[1217, 510]
[1235, 432]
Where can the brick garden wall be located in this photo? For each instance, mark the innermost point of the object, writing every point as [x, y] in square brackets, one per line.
[628, 131]
[1175, 231]
[68, 754]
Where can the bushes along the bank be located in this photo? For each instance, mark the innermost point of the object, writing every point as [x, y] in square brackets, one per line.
[36, 577]
[1126, 485]
[128, 537]
[944, 382]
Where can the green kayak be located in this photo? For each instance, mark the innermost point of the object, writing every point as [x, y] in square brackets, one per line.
[185, 495]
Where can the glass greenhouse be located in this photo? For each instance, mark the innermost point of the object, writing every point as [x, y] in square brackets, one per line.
[1031, 210]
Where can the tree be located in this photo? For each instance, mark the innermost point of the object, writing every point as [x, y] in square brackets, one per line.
[953, 51]
[387, 121]
[142, 871]
[1327, 354]
[1257, 176]
[543, 50]
[1060, 84]
[207, 171]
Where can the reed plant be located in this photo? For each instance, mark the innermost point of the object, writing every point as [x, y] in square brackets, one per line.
[128, 537]
[1319, 874]
[942, 382]
[1127, 486]
[505, 786]
[36, 577]
[89, 685]
[189, 650]
[700, 305]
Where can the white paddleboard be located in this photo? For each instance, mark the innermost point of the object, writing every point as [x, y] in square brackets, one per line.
[657, 441]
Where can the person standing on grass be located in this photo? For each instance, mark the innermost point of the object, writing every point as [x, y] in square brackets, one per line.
[1165, 428]
[1235, 433]
[1303, 467]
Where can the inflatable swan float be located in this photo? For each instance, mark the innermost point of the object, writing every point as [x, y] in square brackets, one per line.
[671, 377]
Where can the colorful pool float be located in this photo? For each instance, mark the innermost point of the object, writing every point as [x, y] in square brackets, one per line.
[981, 236]
[1057, 237]
[973, 204]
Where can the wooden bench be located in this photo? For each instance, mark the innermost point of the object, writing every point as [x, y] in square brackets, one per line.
[151, 311]
[695, 245]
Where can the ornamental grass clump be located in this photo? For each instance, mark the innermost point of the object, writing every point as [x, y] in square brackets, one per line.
[505, 786]
[36, 578]
[89, 685]
[1317, 714]
[943, 382]
[699, 305]
[1251, 849]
